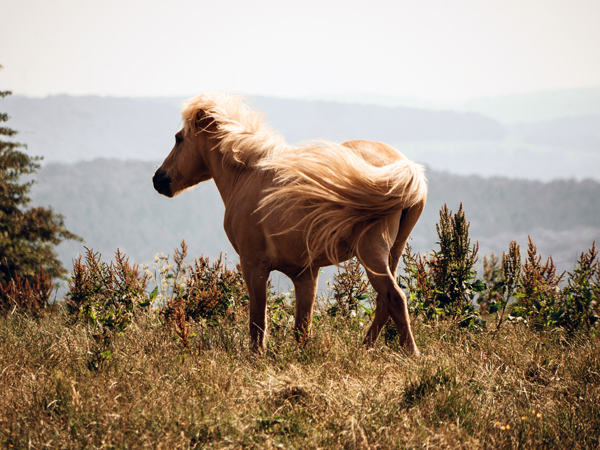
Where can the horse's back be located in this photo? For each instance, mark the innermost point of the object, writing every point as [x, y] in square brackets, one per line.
[277, 233]
[375, 153]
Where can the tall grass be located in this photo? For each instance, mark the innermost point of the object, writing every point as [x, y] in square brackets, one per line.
[512, 388]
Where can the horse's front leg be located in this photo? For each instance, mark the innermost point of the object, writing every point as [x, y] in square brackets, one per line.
[256, 276]
[305, 286]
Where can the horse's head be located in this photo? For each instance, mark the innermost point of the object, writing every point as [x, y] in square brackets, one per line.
[187, 163]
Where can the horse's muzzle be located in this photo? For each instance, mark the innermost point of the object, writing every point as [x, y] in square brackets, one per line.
[162, 183]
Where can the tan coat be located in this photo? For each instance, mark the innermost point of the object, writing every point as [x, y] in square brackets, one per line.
[296, 209]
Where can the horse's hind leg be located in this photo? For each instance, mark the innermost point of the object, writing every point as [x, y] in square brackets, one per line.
[392, 301]
[256, 277]
[381, 261]
[408, 220]
[382, 314]
[305, 287]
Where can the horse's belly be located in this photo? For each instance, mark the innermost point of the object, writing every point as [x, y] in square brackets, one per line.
[289, 253]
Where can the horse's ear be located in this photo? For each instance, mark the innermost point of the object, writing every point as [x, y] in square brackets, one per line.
[203, 120]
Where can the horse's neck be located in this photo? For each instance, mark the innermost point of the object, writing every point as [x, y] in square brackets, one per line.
[224, 174]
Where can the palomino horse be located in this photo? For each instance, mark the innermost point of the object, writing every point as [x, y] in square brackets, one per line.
[298, 208]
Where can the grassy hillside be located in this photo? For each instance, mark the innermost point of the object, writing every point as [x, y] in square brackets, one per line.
[166, 363]
[512, 389]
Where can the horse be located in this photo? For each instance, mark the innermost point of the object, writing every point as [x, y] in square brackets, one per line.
[298, 208]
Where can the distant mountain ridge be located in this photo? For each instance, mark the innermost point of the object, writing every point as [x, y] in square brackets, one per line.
[68, 129]
[65, 128]
[581, 132]
[538, 106]
[300, 120]
[532, 107]
[71, 129]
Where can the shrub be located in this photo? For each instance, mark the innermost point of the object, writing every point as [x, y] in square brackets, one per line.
[199, 291]
[106, 296]
[540, 299]
[538, 291]
[443, 284]
[501, 280]
[203, 290]
[579, 308]
[493, 279]
[213, 290]
[350, 290]
[511, 274]
[24, 295]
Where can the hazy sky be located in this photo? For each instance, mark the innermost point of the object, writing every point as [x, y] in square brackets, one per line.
[438, 50]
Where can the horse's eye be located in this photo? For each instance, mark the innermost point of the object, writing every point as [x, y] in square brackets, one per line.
[178, 139]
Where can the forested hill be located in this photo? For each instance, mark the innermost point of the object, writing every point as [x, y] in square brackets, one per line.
[112, 204]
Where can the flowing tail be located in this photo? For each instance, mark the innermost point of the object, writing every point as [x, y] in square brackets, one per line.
[339, 190]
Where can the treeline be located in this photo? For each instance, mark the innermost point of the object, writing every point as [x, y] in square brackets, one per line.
[496, 205]
[112, 204]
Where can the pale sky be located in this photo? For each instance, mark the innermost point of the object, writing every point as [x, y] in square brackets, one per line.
[436, 50]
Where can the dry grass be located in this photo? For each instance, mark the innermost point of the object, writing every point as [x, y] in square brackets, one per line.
[516, 388]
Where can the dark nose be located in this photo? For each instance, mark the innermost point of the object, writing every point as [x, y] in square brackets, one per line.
[162, 183]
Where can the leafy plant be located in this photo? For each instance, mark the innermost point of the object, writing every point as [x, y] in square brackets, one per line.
[511, 274]
[280, 311]
[538, 295]
[200, 291]
[350, 291]
[580, 305]
[214, 290]
[443, 284]
[502, 280]
[540, 301]
[106, 296]
[204, 291]
[493, 279]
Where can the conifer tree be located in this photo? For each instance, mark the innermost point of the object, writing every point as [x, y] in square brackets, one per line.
[27, 234]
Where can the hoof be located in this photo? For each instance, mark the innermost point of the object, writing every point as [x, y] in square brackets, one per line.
[257, 349]
[369, 344]
[412, 351]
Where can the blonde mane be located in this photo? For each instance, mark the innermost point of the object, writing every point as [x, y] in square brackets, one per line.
[244, 136]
